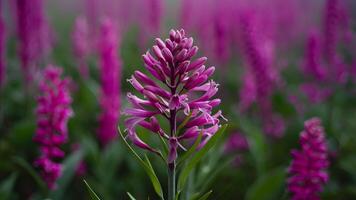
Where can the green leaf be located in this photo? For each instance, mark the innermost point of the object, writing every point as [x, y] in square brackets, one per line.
[148, 169]
[131, 197]
[349, 164]
[192, 149]
[257, 144]
[198, 156]
[206, 195]
[7, 186]
[69, 167]
[31, 171]
[108, 163]
[165, 146]
[92, 194]
[268, 186]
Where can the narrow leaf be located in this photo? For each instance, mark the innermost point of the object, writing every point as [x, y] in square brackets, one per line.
[206, 195]
[268, 186]
[192, 149]
[149, 170]
[92, 194]
[198, 156]
[29, 169]
[7, 186]
[69, 167]
[131, 197]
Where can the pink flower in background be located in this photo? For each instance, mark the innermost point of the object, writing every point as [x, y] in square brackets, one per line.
[256, 61]
[236, 142]
[179, 87]
[259, 58]
[150, 23]
[34, 35]
[313, 66]
[110, 75]
[330, 30]
[53, 111]
[315, 92]
[247, 91]
[80, 42]
[308, 168]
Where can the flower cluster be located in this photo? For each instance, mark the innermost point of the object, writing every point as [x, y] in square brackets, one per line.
[53, 112]
[308, 167]
[181, 93]
[110, 70]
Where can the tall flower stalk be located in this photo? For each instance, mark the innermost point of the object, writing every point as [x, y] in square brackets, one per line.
[258, 53]
[110, 74]
[308, 168]
[53, 111]
[178, 91]
[80, 40]
[34, 35]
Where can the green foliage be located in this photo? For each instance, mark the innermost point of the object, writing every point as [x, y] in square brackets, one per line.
[147, 167]
[92, 194]
[267, 186]
[197, 157]
[69, 167]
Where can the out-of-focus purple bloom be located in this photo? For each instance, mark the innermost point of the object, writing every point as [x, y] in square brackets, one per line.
[256, 61]
[34, 34]
[150, 24]
[330, 30]
[2, 48]
[308, 168]
[258, 54]
[80, 42]
[247, 92]
[110, 74]
[236, 142]
[53, 111]
[312, 59]
[172, 91]
[315, 92]
[274, 125]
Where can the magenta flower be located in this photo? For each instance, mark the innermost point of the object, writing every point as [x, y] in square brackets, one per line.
[313, 59]
[247, 93]
[179, 90]
[258, 55]
[236, 142]
[110, 74]
[34, 34]
[53, 111]
[330, 30]
[308, 168]
[150, 24]
[80, 41]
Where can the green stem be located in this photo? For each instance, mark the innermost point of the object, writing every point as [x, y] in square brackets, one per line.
[171, 181]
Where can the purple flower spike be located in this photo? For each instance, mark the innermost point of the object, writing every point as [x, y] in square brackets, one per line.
[80, 40]
[178, 90]
[34, 34]
[308, 168]
[312, 61]
[110, 69]
[53, 111]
